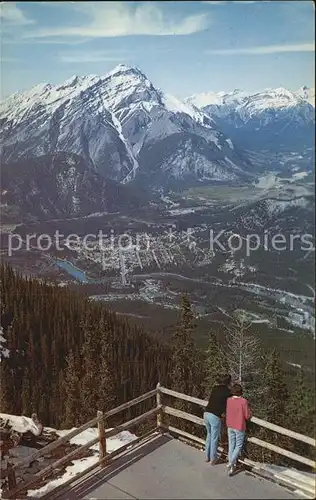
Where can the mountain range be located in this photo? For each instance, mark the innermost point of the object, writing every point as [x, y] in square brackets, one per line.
[91, 135]
[123, 127]
[273, 120]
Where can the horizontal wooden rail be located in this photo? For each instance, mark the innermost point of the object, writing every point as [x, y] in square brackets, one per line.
[284, 431]
[258, 421]
[134, 421]
[52, 446]
[64, 439]
[133, 402]
[70, 456]
[158, 411]
[282, 451]
[184, 397]
[93, 469]
[183, 415]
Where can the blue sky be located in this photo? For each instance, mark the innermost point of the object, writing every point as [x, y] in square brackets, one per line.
[183, 47]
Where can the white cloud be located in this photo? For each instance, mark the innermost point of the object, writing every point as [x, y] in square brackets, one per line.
[92, 57]
[268, 49]
[12, 15]
[45, 41]
[113, 19]
[225, 2]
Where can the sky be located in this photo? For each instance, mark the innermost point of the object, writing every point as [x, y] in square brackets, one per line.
[183, 47]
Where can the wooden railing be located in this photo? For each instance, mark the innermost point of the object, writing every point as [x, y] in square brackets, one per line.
[258, 421]
[159, 410]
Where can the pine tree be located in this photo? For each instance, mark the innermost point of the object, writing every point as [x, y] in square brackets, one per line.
[90, 361]
[300, 413]
[26, 395]
[183, 362]
[71, 391]
[215, 363]
[107, 395]
[275, 390]
[275, 400]
[6, 403]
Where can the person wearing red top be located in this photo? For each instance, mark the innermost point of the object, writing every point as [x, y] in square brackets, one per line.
[237, 413]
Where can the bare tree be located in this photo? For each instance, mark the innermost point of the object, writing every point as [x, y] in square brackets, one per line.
[243, 352]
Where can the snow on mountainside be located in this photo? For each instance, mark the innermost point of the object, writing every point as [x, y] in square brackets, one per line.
[67, 118]
[308, 94]
[274, 119]
[216, 98]
[123, 127]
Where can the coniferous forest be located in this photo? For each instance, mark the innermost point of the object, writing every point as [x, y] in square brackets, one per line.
[69, 356]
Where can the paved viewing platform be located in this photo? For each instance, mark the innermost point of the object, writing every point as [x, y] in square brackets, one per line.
[161, 467]
[164, 463]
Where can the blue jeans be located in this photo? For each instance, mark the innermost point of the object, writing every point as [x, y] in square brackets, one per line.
[213, 426]
[235, 443]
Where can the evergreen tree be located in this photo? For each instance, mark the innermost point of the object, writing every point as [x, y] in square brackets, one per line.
[107, 388]
[183, 362]
[301, 414]
[26, 395]
[184, 372]
[90, 357]
[71, 391]
[215, 363]
[275, 400]
[275, 390]
[6, 382]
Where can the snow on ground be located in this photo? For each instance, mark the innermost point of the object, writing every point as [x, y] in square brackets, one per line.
[304, 481]
[112, 444]
[23, 424]
[268, 181]
[71, 471]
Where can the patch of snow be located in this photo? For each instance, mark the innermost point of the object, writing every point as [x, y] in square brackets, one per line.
[294, 364]
[300, 175]
[71, 471]
[4, 352]
[21, 424]
[80, 465]
[268, 181]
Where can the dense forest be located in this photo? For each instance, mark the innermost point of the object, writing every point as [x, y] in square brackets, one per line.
[69, 356]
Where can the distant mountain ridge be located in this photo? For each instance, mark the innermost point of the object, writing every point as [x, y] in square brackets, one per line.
[275, 119]
[121, 129]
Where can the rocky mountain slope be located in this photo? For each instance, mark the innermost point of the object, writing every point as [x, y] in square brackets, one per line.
[61, 185]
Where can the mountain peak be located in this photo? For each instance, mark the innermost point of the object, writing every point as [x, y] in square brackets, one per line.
[125, 68]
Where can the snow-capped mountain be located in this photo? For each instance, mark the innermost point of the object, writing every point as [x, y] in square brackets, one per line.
[123, 127]
[71, 117]
[272, 119]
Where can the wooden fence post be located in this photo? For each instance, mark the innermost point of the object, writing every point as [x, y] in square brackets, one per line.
[102, 440]
[159, 402]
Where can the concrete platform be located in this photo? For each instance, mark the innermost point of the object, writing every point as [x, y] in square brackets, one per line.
[165, 468]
